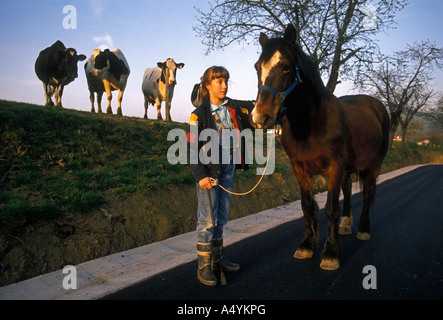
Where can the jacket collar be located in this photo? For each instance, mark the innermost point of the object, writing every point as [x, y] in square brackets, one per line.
[215, 108]
[207, 104]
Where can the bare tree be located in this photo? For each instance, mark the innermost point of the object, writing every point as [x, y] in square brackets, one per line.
[337, 34]
[434, 113]
[416, 103]
[402, 81]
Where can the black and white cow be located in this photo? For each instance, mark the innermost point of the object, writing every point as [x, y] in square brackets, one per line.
[56, 67]
[107, 71]
[158, 85]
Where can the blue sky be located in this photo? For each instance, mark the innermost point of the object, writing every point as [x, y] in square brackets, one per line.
[149, 31]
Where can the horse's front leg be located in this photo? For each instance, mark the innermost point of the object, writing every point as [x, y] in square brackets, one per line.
[331, 253]
[309, 238]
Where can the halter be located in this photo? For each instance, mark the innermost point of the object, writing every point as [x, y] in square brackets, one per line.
[281, 96]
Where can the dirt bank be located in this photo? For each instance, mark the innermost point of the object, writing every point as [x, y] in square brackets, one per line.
[122, 224]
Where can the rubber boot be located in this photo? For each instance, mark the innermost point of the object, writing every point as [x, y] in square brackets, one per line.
[204, 272]
[218, 254]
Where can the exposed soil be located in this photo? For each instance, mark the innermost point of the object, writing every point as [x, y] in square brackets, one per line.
[122, 224]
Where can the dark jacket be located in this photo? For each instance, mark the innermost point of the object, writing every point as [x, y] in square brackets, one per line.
[202, 118]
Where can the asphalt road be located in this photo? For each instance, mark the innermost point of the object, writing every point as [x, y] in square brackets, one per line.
[405, 252]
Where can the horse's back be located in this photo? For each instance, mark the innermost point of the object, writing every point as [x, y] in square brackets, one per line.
[362, 102]
[367, 123]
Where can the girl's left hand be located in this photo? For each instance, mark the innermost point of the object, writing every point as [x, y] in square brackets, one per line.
[205, 183]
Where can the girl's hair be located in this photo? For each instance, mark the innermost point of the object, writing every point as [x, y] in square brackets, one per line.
[214, 72]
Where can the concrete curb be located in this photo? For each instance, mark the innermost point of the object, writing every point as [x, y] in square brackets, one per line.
[103, 276]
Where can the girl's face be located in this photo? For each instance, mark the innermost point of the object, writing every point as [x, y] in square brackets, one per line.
[218, 88]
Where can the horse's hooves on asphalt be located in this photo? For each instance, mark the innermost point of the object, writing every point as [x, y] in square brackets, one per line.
[303, 254]
[344, 230]
[363, 236]
[329, 264]
[345, 226]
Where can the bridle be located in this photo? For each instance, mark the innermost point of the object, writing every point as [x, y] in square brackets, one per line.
[281, 96]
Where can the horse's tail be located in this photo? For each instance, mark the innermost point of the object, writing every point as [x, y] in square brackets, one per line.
[385, 124]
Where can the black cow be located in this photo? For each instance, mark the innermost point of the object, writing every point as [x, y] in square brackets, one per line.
[56, 67]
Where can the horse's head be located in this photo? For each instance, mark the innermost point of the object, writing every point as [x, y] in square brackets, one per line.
[278, 75]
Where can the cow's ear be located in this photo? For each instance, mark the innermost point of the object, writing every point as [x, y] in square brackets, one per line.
[180, 65]
[81, 57]
[161, 65]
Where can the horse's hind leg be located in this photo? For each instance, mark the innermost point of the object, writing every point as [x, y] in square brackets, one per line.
[369, 190]
[346, 218]
[309, 239]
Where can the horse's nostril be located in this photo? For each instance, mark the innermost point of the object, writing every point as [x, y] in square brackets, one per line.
[264, 119]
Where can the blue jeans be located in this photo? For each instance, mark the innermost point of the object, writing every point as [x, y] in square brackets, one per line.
[221, 205]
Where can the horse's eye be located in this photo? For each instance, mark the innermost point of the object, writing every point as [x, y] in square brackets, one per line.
[286, 69]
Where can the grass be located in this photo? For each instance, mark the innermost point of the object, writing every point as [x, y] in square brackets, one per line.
[404, 154]
[54, 161]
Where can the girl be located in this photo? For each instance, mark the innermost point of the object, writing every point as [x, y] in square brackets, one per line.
[216, 112]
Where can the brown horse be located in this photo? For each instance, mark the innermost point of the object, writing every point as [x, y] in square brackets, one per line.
[322, 135]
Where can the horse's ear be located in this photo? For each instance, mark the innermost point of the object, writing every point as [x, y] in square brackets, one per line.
[290, 33]
[263, 39]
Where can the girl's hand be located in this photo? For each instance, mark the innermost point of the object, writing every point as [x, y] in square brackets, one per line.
[205, 183]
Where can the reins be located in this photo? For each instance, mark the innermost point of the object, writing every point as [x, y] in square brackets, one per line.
[214, 182]
[281, 96]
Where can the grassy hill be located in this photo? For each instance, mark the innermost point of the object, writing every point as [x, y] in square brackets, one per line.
[75, 186]
[54, 160]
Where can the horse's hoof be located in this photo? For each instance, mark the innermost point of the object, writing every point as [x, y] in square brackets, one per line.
[303, 254]
[344, 230]
[330, 264]
[345, 226]
[363, 236]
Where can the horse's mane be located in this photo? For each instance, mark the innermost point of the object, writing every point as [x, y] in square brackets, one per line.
[312, 92]
[308, 69]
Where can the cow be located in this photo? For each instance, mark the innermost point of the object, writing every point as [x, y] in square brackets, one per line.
[195, 95]
[158, 85]
[107, 71]
[56, 67]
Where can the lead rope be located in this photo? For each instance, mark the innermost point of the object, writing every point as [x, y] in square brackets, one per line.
[214, 182]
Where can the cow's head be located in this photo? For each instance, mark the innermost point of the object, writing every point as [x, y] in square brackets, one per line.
[68, 60]
[101, 60]
[169, 70]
